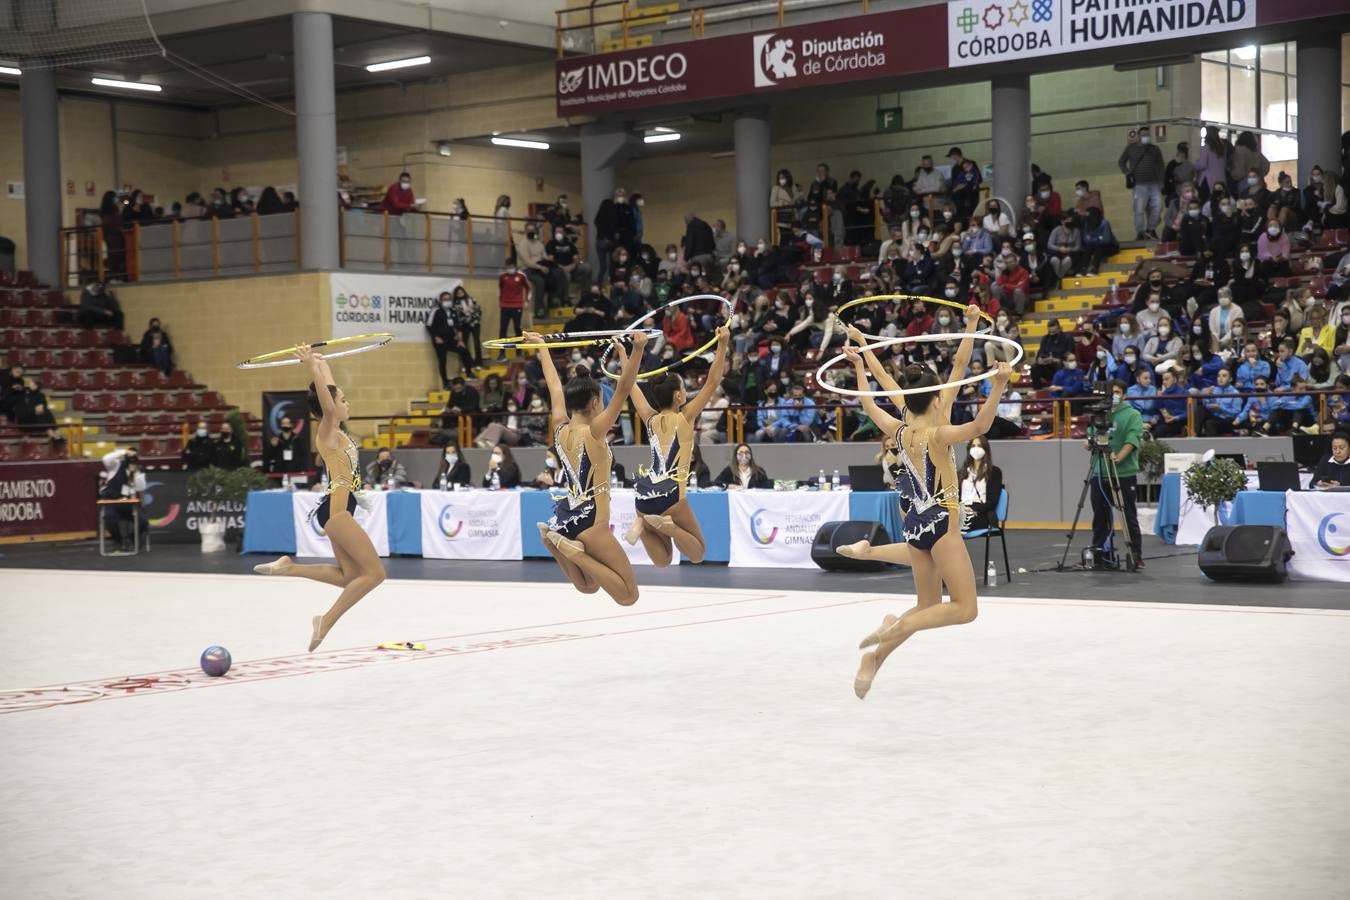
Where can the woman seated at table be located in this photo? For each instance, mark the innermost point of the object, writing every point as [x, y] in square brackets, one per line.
[503, 465]
[550, 476]
[453, 471]
[743, 473]
[981, 483]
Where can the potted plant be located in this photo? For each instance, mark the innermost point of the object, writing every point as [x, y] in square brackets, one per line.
[220, 494]
[1214, 483]
[1151, 458]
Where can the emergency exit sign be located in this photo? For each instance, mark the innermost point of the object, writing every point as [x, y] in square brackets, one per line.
[889, 119]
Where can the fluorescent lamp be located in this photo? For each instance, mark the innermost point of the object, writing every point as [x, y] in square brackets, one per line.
[7, 70]
[517, 142]
[1247, 53]
[128, 85]
[398, 64]
[661, 137]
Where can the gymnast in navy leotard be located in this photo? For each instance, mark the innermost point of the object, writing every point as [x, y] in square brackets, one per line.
[924, 439]
[664, 516]
[578, 534]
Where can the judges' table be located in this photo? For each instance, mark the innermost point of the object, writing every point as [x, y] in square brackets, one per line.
[1182, 521]
[743, 528]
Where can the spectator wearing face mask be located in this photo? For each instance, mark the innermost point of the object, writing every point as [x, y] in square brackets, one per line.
[1225, 230]
[99, 308]
[1247, 285]
[1127, 336]
[1102, 367]
[199, 452]
[743, 473]
[1012, 288]
[566, 267]
[399, 197]
[995, 220]
[976, 243]
[965, 187]
[445, 338]
[786, 197]
[228, 450]
[1085, 345]
[1209, 271]
[282, 451]
[914, 224]
[771, 422]
[123, 479]
[1171, 406]
[1220, 407]
[813, 326]
[1316, 333]
[1048, 198]
[981, 483]
[1286, 203]
[1141, 393]
[463, 401]
[1246, 161]
[1068, 380]
[156, 348]
[1273, 251]
[502, 464]
[1053, 348]
[1256, 410]
[778, 361]
[1143, 166]
[452, 471]
[550, 476]
[1251, 368]
[1193, 233]
[1099, 242]
[384, 470]
[1167, 345]
[929, 185]
[1065, 247]
[1180, 170]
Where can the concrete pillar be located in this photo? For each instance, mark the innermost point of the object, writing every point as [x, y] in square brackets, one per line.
[41, 173]
[753, 177]
[605, 146]
[316, 138]
[1319, 102]
[1011, 106]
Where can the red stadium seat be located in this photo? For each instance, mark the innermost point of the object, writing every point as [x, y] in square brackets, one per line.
[8, 451]
[180, 379]
[90, 338]
[63, 381]
[214, 400]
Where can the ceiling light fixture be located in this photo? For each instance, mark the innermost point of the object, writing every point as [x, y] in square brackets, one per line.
[398, 64]
[661, 137]
[127, 85]
[517, 142]
[8, 70]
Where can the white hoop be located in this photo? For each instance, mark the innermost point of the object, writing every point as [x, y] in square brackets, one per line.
[697, 351]
[917, 339]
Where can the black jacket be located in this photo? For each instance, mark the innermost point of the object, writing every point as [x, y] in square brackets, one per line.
[447, 475]
[698, 239]
[758, 480]
[274, 457]
[508, 476]
[1056, 346]
[199, 453]
[442, 325]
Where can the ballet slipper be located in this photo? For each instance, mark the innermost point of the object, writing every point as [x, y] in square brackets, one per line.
[858, 550]
[634, 533]
[875, 637]
[319, 633]
[277, 567]
[569, 549]
[867, 670]
[656, 523]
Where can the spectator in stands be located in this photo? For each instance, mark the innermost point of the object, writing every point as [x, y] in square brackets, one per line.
[995, 220]
[1164, 346]
[1048, 197]
[1225, 230]
[219, 205]
[1140, 395]
[468, 321]
[1102, 368]
[1221, 406]
[228, 450]
[1202, 368]
[1246, 284]
[743, 473]
[513, 291]
[463, 401]
[1193, 232]
[1316, 333]
[1171, 405]
[976, 243]
[965, 187]
[200, 450]
[1086, 344]
[822, 184]
[289, 203]
[32, 412]
[1246, 160]
[929, 185]
[786, 197]
[1209, 271]
[110, 221]
[99, 308]
[1127, 336]
[281, 452]
[615, 226]
[1142, 163]
[1251, 368]
[1012, 288]
[156, 348]
[1280, 329]
[564, 267]
[1292, 410]
[593, 312]
[1149, 317]
[1211, 163]
[895, 242]
[452, 471]
[1322, 371]
[399, 197]
[1334, 470]
[384, 471]
[1229, 343]
[802, 423]
[1288, 366]
[1065, 248]
[270, 202]
[502, 465]
[1099, 242]
[546, 283]
[137, 211]
[771, 422]
[1324, 201]
[1180, 170]
[1084, 199]
[1256, 410]
[1054, 347]
[700, 243]
[241, 204]
[1068, 380]
[1251, 222]
[1341, 347]
[1273, 251]
[1040, 276]
[1253, 187]
[445, 338]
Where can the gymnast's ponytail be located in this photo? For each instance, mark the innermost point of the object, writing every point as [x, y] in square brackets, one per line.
[663, 389]
[917, 375]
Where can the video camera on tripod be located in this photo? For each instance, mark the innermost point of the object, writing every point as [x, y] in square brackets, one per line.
[1101, 463]
[1098, 411]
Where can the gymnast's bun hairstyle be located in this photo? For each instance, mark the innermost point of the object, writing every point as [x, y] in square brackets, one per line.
[663, 388]
[312, 400]
[579, 392]
[914, 376]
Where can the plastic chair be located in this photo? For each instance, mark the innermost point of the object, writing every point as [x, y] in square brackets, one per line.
[1000, 517]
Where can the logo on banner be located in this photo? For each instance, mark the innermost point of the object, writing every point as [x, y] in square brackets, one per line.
[283, 411]
[570, 81]
[1325, 529]
[446, 518]
[757, 528]
[148, 500]
[775, 59]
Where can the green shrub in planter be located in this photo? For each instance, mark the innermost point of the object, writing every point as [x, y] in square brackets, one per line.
[1214, 483]
[1151, 458]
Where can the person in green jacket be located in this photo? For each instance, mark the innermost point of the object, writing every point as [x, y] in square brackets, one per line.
[1127, 430]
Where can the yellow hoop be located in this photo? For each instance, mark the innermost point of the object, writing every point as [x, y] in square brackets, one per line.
[698, 351]
[335, 348]
[579, 339]
[883, 298]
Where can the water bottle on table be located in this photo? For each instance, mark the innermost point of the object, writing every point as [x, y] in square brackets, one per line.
[991, 575]
[834, 481]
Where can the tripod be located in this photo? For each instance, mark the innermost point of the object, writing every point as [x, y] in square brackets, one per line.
[1100, 454]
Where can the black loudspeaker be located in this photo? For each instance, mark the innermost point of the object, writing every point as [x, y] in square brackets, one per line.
[1246, 553]
[834, 534]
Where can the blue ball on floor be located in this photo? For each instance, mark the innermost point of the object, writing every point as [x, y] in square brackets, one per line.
[215, 661]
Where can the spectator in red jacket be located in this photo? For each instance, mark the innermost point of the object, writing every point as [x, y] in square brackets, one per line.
[921, 321]
[679, 333]
[399, 198]
[1013, 284]
[514, 290]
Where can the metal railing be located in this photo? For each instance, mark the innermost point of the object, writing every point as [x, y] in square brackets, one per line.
[368, 240]
[618, 18]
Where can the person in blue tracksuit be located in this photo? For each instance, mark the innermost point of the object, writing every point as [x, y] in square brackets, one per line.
[1221, 406]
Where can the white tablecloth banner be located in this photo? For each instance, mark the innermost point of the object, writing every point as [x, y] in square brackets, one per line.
[471, 524]
[1194, 521]
[310, 542]
[1319, 530]
[775, 529]
[622, 512]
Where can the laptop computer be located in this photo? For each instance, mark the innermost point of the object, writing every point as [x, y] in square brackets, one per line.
[1311, 449]
[1239, 458]
[1277, 476]
[866, 478]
